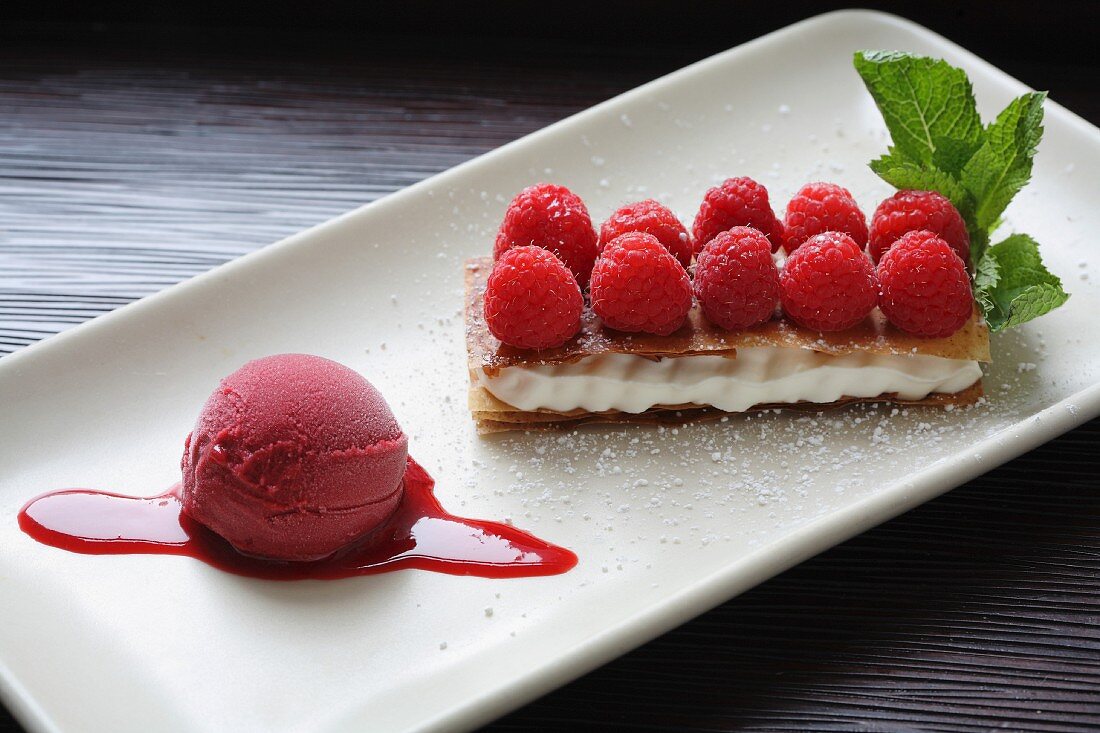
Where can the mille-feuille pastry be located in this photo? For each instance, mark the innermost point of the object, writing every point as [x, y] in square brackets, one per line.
[653, 344]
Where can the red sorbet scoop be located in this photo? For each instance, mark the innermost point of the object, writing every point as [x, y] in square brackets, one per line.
[292, 458]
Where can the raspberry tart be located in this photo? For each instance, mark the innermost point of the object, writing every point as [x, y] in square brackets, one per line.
[734, 332]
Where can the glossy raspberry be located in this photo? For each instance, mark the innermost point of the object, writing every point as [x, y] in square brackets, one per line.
[736, 281]
[923, 286]
[909, 211]
[532, 300]
[737, 202]
[637, 285]
[823, 207]
[552, 217]
[828, 283]
[653, 218]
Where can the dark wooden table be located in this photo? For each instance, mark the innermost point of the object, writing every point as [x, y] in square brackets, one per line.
[134, 157]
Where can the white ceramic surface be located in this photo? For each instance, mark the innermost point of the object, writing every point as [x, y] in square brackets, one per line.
[666, 525]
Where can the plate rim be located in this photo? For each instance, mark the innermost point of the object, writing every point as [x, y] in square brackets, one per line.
[718, 587]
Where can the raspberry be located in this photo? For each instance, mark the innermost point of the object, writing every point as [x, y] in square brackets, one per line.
[532, 300]
[737, 202]
[736, 281]
[552, 217]
[828, 284]
[823, 207]
[923, 286]
[652, 218]
[637, 285]
[908, 211]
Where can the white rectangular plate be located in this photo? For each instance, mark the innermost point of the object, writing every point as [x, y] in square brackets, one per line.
[667, 523]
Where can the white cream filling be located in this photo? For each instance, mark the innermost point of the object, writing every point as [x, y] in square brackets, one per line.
[758, 375]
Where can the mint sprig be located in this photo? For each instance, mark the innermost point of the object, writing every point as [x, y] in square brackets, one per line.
[928, 106]
[1016, 284]
[940, 144]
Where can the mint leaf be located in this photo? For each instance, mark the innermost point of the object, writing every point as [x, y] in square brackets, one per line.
[928, 106]
[1002, 165]
[1012, 285]
[951, 155]
[979, 241]
[1033, 302]
[902, 172]
[986, 276]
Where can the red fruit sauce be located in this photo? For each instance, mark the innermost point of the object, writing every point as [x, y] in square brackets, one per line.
[420, 534]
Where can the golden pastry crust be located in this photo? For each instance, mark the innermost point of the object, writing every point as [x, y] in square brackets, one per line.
[494, 416]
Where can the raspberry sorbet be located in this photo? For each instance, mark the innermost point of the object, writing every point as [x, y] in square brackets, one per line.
[292, 458]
